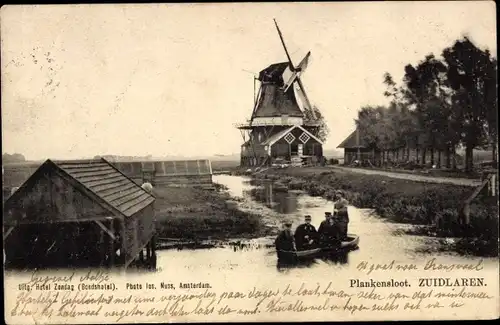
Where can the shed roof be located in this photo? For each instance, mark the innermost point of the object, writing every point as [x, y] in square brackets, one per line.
[102, 182]
[352, 141]
[108, 183]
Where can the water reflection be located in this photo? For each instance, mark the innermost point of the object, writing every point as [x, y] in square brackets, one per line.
[274, 196]
[388, 240]
[337, 258]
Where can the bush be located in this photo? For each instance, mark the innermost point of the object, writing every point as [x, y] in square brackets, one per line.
[296, 184]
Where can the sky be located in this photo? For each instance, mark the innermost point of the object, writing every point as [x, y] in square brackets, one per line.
[170, 80]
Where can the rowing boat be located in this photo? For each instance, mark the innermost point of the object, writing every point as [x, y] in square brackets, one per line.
[351, 243]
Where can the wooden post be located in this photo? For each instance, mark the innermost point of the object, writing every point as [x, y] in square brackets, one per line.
[123, 244]
[136, 240]
[141, 256]
[357, 145]
[74, 236]
[101, 247]
[112, 245]
[492, 186]
[465, 210]
[153, 251]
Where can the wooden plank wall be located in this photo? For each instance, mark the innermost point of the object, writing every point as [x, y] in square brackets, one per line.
[139, 230]
[53, 199]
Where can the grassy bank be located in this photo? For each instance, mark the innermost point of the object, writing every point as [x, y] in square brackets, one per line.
[198, 214]
[434, 206]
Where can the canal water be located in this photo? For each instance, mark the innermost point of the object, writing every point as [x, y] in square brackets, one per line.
[380, 240]
[254, 267]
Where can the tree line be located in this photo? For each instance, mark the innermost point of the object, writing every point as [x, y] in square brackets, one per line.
[15, 157]
[442, 103]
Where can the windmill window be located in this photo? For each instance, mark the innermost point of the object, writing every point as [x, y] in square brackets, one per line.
[289, 138]
[304, 137]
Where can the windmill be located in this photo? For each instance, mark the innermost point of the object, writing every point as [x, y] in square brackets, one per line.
[279, 127]
[295, 77]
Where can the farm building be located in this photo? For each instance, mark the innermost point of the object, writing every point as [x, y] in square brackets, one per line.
[416, 150]
[168, 173]
[356, 149]
[78, 213]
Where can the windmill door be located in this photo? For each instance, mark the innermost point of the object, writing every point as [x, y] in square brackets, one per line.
[300, 149]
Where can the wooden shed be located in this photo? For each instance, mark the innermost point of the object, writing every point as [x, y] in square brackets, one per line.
[168, 173]
[355, 148]
[416, 149]
[78, 213]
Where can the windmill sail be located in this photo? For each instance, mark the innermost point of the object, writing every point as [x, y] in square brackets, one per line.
[287, 76]
[308, 109]
[298, 71]
[284, 46]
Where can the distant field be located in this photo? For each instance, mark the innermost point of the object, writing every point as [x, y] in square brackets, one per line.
[218, 165]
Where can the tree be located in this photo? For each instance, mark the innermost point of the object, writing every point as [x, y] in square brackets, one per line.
[426, 91]
[322, 130]
[404, 121]
[377, 128]
[470, 75]
[491, 125]
[16, 157]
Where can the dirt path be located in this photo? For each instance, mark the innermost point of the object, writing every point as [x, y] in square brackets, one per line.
[417, 178]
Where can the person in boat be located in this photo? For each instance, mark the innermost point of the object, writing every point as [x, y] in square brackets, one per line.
[340, 211]
[324, 223]
[285, 240]
[329, 232]
[306, 235]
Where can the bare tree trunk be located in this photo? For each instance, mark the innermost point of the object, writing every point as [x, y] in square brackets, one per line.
[469, 164]
[454, 157]
[447, 153]
[418, 155]
[432, 156]
[439, 159]
[424, 151]
[494, 153]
